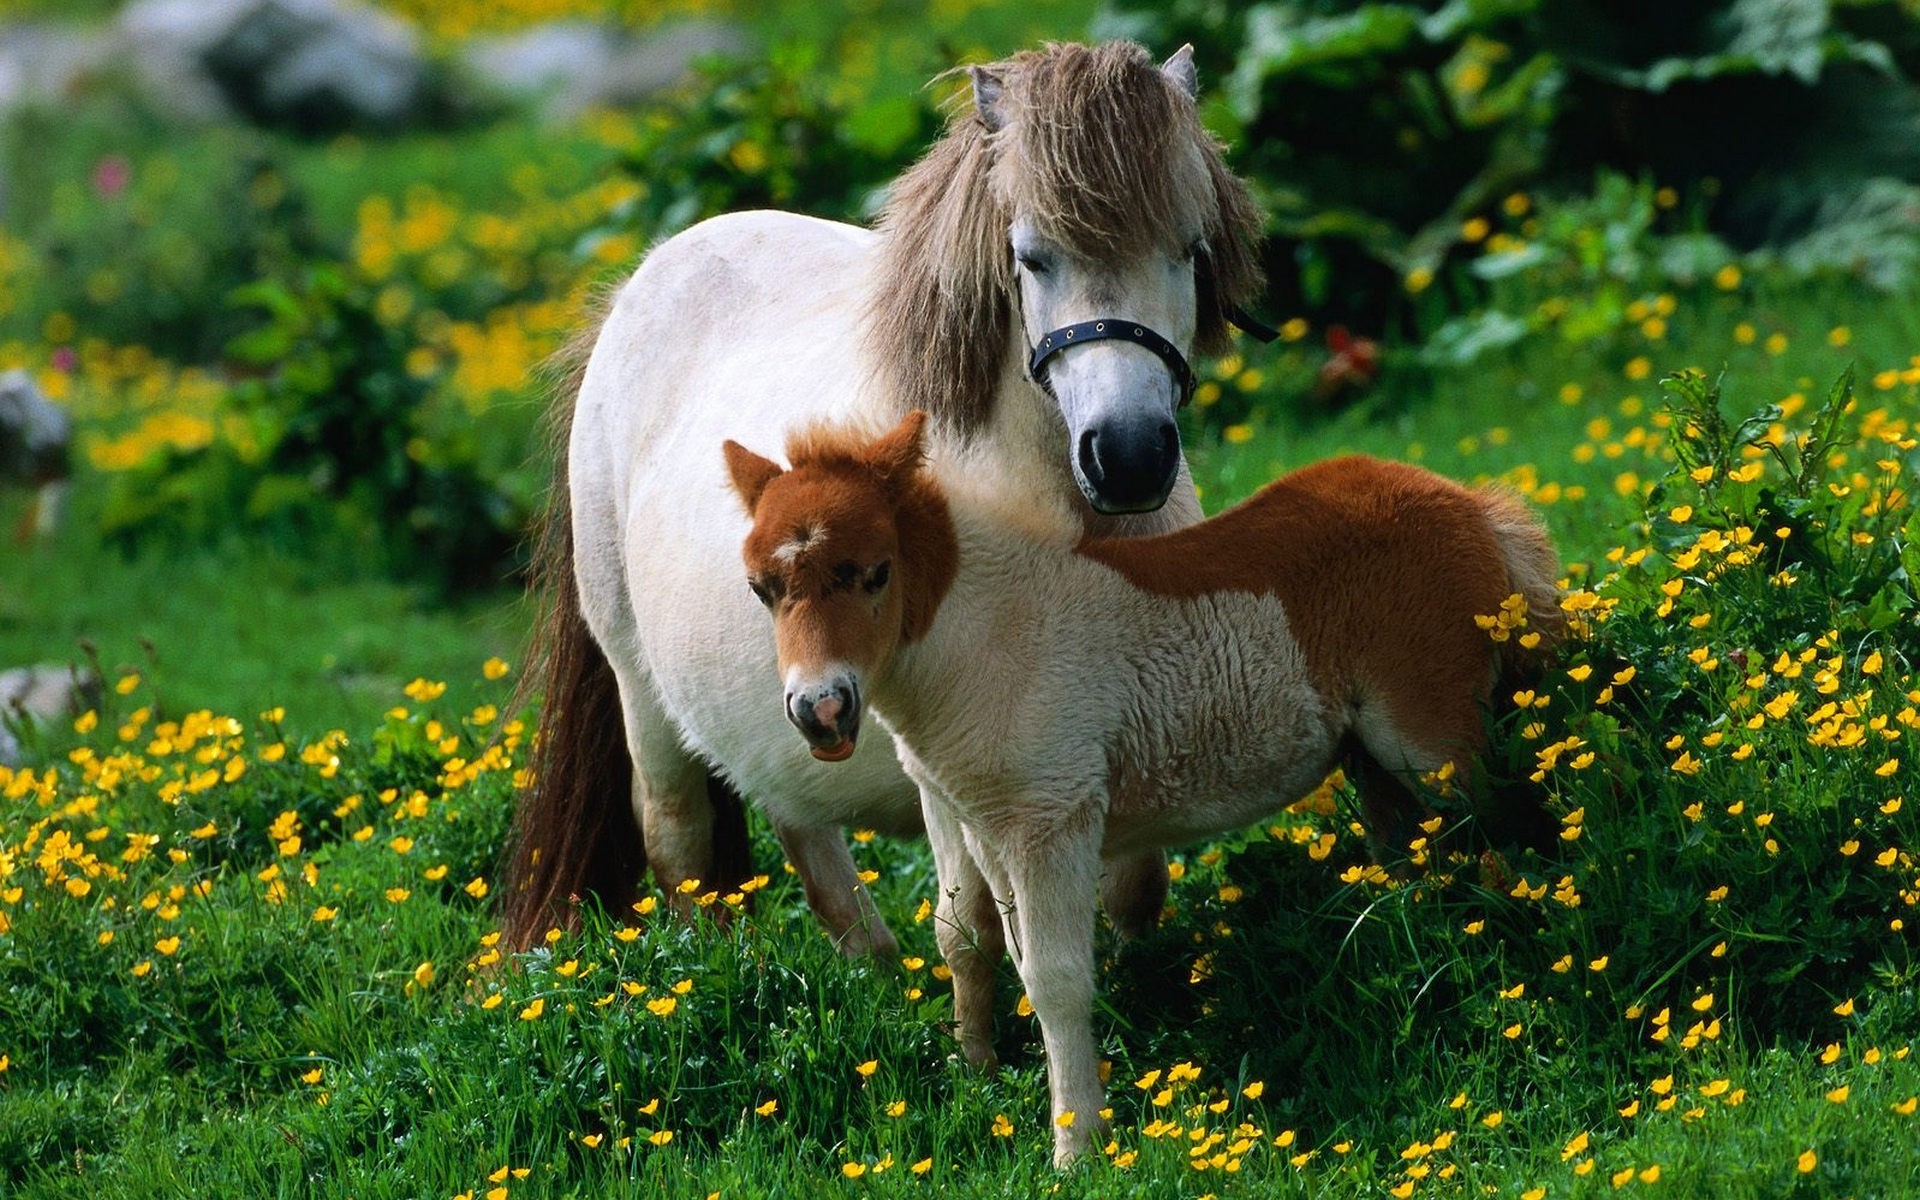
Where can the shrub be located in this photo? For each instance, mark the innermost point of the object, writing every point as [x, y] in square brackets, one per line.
[1380, 131]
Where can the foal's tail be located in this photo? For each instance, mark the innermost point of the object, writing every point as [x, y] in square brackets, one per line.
[575, 835]
[1533, 570]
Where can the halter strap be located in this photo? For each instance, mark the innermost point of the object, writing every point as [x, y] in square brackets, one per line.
[1101, 329]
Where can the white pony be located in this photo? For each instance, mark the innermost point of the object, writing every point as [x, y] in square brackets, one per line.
[1077, 203]
[1062, 699]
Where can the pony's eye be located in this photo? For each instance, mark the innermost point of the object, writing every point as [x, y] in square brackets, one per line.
[1195, 249]
[761, 592]
[877, 578]
[1034, 264]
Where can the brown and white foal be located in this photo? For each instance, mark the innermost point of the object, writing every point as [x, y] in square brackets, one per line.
[1061, 699]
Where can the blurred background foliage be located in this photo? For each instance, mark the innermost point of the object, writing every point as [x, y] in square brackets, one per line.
[328, 340]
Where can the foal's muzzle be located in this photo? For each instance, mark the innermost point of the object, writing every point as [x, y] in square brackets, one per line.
[828, 715]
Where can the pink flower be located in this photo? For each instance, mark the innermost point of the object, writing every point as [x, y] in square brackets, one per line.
[64, 359]
[111, 175]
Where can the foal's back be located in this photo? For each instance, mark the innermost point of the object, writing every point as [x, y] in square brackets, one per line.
[1382, 568]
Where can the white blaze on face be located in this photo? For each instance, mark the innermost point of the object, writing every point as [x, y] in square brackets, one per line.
[789, 551]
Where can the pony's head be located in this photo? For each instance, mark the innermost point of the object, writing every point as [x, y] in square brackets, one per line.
[851, 551]
[1079, 188]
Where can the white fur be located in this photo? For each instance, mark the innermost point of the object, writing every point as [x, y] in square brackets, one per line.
[746, 327]
[1055, 715]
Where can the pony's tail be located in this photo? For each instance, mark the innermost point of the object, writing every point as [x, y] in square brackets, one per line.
[1533, 570]
[574, 833]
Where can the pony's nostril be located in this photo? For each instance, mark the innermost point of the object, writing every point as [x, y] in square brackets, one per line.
[1089, 456]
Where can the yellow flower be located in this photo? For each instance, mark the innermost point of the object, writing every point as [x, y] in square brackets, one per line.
[532, 1011]
[922, 1167]
[1253, 1090]
[323, 913]
[1001, 1126]
[768, 1109]
[423, 974]
[495, 668]
[866, 1069]
[167, 945]
[662, 1006]
[853, 1170]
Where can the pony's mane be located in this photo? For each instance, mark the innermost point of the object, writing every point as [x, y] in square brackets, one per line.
[1107, 154]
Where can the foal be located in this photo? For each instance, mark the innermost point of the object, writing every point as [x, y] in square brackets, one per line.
[1329, 619]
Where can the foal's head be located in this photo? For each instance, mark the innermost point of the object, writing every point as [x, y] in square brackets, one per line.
[851, 550]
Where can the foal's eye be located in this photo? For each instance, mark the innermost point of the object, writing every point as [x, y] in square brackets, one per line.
[877, 578]
[1033, 263]
[1195, 249]
[761, 592]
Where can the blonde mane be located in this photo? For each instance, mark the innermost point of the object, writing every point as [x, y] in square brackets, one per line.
[1104, 152]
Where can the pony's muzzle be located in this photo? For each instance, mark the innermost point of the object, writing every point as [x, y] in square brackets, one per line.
[1127, 467]
[828, 715]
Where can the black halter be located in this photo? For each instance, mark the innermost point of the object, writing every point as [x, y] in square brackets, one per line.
[1111, 327]
[1103, 328]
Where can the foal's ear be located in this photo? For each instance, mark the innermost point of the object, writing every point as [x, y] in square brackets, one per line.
[898, 455]
[751, 473]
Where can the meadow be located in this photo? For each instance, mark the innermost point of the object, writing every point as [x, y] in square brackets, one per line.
[247, 937]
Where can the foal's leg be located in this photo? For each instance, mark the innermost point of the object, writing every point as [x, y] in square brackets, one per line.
[820, 857]
[1054, 872]
[968, 930]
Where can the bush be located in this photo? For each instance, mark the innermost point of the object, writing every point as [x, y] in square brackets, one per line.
[1380, 130]
[337, 439]
[1723, 747]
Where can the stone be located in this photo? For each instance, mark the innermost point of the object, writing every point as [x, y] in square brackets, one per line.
[38, 694]
[575, 66]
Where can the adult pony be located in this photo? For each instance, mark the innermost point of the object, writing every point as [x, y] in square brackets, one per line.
[1035, 282]
[1331, 618]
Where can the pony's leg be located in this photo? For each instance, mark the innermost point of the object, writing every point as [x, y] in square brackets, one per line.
[670, 799]
[842, 903]
[1133, 890]
[1055, 873]
[967, 926]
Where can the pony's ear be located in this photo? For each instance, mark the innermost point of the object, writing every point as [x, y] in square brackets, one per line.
[750, 473]
[989, 94]
[899, 454]
[1181, 70]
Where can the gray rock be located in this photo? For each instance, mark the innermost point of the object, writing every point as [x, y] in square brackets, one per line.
[35, 434]
[315, 65]
[48, 692]
[577, 65]
[43, 64]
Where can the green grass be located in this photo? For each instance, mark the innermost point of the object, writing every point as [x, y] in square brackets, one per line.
[1364, 1013]
[273, 1052]
[240, 629]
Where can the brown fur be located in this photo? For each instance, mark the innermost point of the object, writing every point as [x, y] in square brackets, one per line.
[574, 835]
[849, 505]
[1379, 565]
[1108, 155]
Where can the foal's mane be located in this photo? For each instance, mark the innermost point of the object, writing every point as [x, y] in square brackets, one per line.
[1108, 155]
